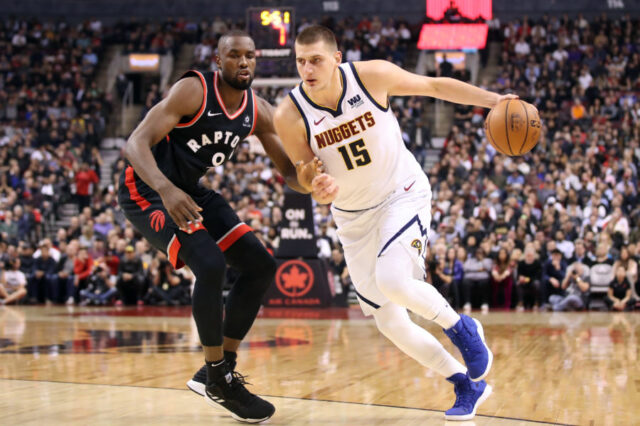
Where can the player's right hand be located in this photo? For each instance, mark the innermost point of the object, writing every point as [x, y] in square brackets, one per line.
[324, 188]
[306, 172]
[181, 207]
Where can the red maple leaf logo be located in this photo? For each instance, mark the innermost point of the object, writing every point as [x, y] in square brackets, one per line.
[294, 278]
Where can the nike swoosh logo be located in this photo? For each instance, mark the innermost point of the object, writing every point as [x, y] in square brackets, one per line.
[214, 114]
[406, 188]
[319, 121]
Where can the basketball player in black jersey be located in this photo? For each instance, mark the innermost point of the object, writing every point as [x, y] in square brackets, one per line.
[199, 125]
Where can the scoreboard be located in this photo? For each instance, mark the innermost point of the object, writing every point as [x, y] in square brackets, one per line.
[273, 30]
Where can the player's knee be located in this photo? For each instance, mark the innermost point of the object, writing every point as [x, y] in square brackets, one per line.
[265, 265]
[389, 280]
[207, 269]
[269, 267]
[256, 264]
[207, 265]
[263, 271]
[391, 318]
[386, 327]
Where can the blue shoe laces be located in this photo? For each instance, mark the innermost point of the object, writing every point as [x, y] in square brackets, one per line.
[464, 397]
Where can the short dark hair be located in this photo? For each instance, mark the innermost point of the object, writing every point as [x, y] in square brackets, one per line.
[232, 33]
[314, 33]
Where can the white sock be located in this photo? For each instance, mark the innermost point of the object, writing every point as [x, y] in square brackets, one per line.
[394, 322]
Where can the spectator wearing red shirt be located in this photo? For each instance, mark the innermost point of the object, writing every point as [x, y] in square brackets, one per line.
[82, 267]
[84, 178]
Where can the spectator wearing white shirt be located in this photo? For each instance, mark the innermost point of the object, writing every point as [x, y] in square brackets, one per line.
[203, 51]
[585, 78]
[617, 223]
[522, 47]
[53, 252]
[19, 39]
[13, 283]
[388, 30]
[373, 38]
[95, 25]
[565, 246]
[403, 32]
[354, 53]
[560, 54]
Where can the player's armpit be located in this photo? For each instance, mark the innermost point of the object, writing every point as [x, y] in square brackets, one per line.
[290, 128]
[266, 133]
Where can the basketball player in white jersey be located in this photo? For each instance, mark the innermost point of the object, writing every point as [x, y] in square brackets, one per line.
[339, 130]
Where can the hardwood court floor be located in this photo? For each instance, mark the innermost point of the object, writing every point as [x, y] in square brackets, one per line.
[129, 366]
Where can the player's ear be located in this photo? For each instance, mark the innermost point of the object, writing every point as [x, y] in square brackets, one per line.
[218, 62]
[338, 57]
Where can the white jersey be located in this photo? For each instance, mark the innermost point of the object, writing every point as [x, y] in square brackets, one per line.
[360, 144]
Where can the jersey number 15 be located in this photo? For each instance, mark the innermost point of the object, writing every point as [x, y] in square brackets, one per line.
[359, 154]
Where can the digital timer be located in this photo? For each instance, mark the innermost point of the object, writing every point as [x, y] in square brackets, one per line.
[272, 30]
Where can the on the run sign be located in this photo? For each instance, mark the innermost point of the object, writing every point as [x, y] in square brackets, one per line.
[297, 234]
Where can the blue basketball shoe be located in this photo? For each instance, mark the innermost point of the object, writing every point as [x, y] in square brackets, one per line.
[469, 396]
[468, 336]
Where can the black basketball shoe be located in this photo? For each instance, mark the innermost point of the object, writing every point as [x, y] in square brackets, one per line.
[226, 389]
[199, 380]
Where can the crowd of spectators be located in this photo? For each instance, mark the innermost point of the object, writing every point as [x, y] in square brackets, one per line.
[555, 229]
[560, 225]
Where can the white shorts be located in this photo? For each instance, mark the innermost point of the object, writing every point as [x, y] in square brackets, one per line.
[403, 218]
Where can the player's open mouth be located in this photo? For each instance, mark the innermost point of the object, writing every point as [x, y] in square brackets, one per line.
[311, 81]
[244, 75]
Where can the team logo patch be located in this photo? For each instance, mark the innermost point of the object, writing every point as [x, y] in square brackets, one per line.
[417, 244]
[355, 102]
[246, 122]
[157, 220]
[517, 122]
[294, 278]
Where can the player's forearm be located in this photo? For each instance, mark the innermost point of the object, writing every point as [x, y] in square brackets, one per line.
[140, 156]
[304, 177]
[456, 91]
[294, 184]
[290, 174]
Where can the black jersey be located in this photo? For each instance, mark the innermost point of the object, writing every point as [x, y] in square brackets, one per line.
[208, 139]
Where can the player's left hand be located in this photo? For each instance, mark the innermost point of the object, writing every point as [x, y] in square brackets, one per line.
[508, 96]
[324, 188]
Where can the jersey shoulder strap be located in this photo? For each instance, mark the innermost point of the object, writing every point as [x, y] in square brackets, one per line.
[204, 78]
[350, 70]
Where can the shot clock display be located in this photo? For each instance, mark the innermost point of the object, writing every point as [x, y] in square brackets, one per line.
[272, 30]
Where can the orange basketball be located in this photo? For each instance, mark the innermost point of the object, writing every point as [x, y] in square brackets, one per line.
[513, 127]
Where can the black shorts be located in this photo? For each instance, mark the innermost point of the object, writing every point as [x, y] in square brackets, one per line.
[144, 209]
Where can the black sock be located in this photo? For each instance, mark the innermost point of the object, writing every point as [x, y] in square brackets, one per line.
[230, 357]
[215, 370]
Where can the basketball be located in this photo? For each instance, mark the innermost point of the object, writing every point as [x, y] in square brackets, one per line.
[513, 127]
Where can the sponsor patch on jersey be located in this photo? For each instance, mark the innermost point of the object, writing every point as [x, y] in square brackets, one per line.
[246, 122]
[355, 102]
[417, 244]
